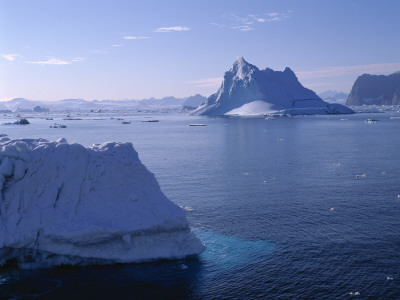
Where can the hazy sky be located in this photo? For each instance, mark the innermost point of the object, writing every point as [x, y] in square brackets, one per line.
[126, 49]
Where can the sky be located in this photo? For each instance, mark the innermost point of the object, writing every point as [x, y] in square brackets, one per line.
[128, 49]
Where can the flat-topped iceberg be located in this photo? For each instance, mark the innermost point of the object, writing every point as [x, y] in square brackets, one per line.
[63, 203]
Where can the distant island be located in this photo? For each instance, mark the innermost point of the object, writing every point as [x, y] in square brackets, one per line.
[247, 90]
[375, 90]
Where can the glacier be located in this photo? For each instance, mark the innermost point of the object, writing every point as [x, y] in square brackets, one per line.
[64, 203]
[249, 91]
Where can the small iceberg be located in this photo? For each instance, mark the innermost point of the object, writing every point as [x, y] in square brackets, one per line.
[188, 208]
[371, 121]
[21, 122]
[56, 125]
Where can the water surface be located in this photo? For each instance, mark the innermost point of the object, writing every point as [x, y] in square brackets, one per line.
[301, 207]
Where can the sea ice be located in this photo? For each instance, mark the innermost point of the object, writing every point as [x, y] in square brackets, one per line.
[188, 209]
[63, 203]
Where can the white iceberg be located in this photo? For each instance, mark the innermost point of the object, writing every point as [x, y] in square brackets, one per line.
[63, 203]
[248, 91]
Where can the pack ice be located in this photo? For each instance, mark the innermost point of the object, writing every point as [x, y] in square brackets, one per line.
[62, 203]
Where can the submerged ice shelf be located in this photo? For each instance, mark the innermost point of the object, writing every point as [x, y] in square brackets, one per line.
[232, 253]
[63, 203]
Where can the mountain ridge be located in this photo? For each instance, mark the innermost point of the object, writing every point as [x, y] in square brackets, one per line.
[169, 102]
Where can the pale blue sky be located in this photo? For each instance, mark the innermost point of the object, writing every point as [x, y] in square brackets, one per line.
[120, 49]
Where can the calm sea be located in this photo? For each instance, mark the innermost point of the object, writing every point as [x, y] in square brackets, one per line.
[300, 208]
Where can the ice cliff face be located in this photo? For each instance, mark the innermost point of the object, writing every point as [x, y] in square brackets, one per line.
[375, 90]
[63, 203]
[244, 83]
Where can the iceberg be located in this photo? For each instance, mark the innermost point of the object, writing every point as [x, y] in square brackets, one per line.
[63, 203]
[248, 91]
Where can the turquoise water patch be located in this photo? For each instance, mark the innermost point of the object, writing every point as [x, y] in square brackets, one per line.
[229, 252]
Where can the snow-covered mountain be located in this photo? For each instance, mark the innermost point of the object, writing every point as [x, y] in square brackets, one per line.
[247, 90]
[334, 96]
[375, 90]
[24, 105]
[194, 101]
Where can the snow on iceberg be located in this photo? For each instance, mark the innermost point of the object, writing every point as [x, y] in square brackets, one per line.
[63, 203]
[255, 108]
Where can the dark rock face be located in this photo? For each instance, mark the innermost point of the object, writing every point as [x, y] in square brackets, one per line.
[375, 90]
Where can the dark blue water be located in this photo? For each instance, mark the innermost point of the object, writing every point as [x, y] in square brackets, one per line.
[277, 202]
